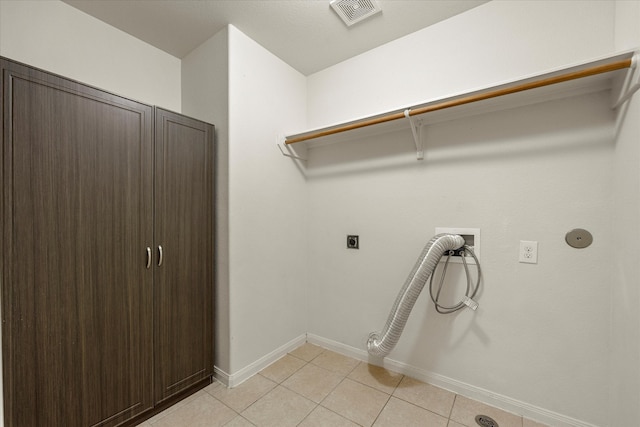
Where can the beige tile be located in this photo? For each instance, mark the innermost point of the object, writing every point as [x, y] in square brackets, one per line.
[176, 406]
[163, 414]
[426, 396]
[313, 382]
[307, 352]
[376, 377]
[279, 408]
[213, 387]
[530, 423]
[398, 413]
[191, 397]
[204, 411]
[322, 417]
[239, 398]
[239, 421]
[356, 402]
[282, 368]
[144, 424]
[335, 362]
[465, 411]
[454, 424]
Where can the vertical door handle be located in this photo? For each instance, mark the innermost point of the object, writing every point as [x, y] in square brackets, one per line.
[159, 255]
[148, 257]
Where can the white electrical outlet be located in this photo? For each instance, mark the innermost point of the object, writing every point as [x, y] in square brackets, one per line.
[528, 252]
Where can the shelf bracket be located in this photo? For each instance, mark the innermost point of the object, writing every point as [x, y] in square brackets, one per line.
[624, 98]
[631, 85]
[416, 129]
[289, 152]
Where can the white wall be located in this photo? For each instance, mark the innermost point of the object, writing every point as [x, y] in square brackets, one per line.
[625, 331]
[267, 205]
[488, 44]
[542, 333]
[252, 96]
[59, 38]
[540, 337]
[205, 95]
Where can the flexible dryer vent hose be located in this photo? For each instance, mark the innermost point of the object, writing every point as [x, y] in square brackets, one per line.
[381, 343]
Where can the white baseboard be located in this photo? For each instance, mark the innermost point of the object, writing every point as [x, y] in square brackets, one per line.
[476, 393]
[221, 375]
[235, 379]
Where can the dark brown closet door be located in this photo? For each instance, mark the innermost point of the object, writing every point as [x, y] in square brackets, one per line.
[184, 230]
[76, 219]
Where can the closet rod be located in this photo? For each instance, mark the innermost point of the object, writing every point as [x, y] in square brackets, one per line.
[587, 72]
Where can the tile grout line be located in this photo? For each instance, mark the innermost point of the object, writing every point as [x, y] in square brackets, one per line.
[447, 418]
[317, 404]
[455, 397]
[382, 409]
[345, 377]
[238, 414]
[390, 395]
[359, 377]
[306, 363]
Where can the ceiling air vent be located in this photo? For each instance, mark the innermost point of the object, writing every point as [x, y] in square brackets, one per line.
[352, 11]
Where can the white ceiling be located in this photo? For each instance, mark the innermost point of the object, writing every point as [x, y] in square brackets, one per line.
[307, 34]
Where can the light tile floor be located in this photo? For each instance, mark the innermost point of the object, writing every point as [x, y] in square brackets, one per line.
[315, 387]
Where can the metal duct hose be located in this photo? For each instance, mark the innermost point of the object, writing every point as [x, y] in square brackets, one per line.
[381, 343]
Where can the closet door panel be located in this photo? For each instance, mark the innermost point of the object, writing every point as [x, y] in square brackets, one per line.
[77, 298]
[184, 229]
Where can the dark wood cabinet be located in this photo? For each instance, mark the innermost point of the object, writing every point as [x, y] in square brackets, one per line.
[95, 330]
[184, 230]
